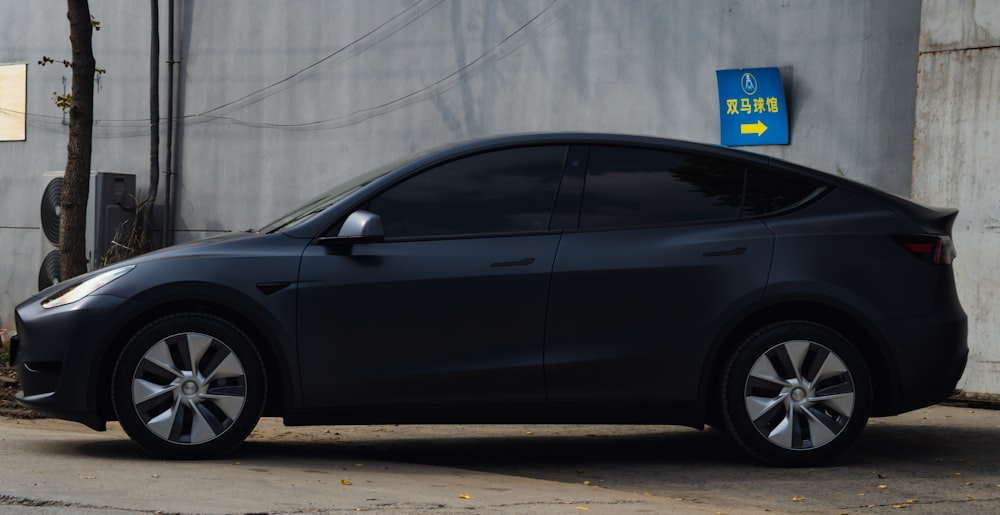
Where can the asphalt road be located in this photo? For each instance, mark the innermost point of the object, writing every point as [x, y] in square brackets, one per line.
[936, 460]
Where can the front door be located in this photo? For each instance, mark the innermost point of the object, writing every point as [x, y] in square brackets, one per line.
[450, 308]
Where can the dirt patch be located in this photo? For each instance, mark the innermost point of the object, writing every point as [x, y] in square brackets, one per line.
[8, 387]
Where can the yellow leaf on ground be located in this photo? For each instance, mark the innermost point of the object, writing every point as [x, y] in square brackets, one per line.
[465, 496]
[586, 483]
[900, 505]
[345, 481]
[797, 499]
[883, 487]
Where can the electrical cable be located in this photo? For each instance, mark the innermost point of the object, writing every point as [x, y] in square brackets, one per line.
[139, 127]
[143, 123]
[328, 57]
[383, 106]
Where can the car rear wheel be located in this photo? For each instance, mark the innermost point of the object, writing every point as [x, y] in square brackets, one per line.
[796, 394]
[189, 386]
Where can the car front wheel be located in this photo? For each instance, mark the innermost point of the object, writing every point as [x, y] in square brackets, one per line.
[796, 394]
[188, 386]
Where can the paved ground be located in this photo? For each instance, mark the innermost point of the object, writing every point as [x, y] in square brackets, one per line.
[936, 460]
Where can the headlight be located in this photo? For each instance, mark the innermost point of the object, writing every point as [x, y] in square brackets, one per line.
[75, 293]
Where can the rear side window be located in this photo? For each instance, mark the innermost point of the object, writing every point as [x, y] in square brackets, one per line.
[503, 191]
[639, 187]
[769, 191]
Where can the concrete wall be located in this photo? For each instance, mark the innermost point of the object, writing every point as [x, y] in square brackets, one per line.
[29, 31]
[955, 161]
[280, 98]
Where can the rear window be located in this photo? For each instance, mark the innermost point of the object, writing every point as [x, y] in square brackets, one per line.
[628, 187]
[768, 191]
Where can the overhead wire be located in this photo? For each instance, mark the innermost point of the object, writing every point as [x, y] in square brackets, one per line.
[330, 56]
[348, 119]
[110, 128]
[139, 126]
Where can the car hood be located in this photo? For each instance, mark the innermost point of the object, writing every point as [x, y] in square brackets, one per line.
[240, 243]
[214, 245]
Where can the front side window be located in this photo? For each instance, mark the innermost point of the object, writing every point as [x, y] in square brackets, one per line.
[633, 187]
[504, 191]
[327, 199]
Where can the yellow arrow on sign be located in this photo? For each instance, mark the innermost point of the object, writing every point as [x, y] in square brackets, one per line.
[751, 128]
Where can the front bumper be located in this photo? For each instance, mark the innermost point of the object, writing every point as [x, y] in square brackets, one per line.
[59, 356]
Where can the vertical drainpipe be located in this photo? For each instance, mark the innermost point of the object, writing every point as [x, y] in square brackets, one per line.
[154, 102]
[168, 211]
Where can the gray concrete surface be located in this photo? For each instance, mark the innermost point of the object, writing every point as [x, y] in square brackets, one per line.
[280, 99]
[936, 460]
[954, 162]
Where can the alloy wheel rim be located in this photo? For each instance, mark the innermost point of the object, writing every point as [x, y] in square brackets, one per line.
[189, 388]
[799, 395]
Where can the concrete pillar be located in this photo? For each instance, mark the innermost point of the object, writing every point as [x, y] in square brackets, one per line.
[956, 162]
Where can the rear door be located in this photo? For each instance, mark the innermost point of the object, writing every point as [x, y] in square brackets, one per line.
[450, 308]
[659, 259]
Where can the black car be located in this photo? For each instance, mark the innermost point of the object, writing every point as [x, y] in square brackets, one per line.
[560, 278]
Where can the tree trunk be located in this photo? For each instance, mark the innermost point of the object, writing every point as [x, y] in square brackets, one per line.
[76, 181]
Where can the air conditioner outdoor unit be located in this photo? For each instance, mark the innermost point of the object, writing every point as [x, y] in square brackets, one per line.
[110, 206]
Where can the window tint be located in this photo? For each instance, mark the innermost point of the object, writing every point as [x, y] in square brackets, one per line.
[635, 187]
[769, 191]
[502, 191]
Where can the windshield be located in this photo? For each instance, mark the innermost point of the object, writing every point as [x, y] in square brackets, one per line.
[327, 199]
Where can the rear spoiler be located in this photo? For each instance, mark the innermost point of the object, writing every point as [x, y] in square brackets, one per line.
[938, 219]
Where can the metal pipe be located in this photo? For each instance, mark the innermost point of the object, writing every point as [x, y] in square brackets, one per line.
[168, 212]
[154, 101]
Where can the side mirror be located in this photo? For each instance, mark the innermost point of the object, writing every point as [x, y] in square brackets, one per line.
[360, 227]
[362, 224]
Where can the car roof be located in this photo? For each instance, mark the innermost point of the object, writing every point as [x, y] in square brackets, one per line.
[457, 150]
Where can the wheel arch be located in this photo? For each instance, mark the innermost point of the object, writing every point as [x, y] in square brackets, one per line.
[852, 326]
[249, 317]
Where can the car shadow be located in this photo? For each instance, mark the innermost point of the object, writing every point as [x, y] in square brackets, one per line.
[685, 449]
[499, 451]
[448, 450]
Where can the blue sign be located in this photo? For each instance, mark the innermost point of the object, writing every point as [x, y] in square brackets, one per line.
[752, 107]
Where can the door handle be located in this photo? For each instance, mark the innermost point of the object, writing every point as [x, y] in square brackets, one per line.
[733, 252]
[523, 262]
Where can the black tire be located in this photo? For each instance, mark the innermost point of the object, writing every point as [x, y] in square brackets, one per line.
[815, 403]
[178, 407]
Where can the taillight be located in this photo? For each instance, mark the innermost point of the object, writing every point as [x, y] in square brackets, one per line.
[938, 250]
